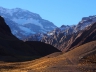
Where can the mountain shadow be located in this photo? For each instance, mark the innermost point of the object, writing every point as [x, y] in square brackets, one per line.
[13, 49]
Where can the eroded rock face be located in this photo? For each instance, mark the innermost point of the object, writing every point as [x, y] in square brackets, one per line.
[12, 46]
[84, 36]
[67, 42]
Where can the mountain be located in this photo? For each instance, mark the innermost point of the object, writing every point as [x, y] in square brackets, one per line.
[18, 56]
[70, 29]
[13, 49]
[62, 31]
[83, 32]
[24, 23]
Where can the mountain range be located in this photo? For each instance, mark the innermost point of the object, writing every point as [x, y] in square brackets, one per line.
[35, 56]
[65, 30]
[66, 36]
[40, 46]
[29, 26]
[65, 42]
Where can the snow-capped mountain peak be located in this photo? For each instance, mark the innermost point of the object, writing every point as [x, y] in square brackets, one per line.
[27, 22]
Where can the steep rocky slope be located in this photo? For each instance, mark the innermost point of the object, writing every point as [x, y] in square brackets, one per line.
[67, 42]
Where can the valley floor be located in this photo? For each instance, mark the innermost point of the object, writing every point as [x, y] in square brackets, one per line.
[80, 59]
[31, 67]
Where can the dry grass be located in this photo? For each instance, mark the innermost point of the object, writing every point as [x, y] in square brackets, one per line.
[74, 61]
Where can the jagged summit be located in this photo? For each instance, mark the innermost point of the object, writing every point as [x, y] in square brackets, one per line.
[18, 11]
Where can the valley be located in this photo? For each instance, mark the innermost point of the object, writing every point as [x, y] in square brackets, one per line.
[76, 60]
[48, 49]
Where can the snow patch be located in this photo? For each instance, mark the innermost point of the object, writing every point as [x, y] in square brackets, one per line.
[26, 21]
[26, 30]
[50, 33]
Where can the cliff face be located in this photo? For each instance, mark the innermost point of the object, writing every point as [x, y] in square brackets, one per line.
[15, 48]
[84, 36]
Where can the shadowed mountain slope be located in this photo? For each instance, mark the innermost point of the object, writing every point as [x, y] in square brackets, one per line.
[18, 50]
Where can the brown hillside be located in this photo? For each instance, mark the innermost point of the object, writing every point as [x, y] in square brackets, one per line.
[76, 60]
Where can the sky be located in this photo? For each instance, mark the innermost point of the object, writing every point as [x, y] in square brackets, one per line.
[60, 12]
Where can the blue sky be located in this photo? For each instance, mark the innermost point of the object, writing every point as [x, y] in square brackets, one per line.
[59, 12]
